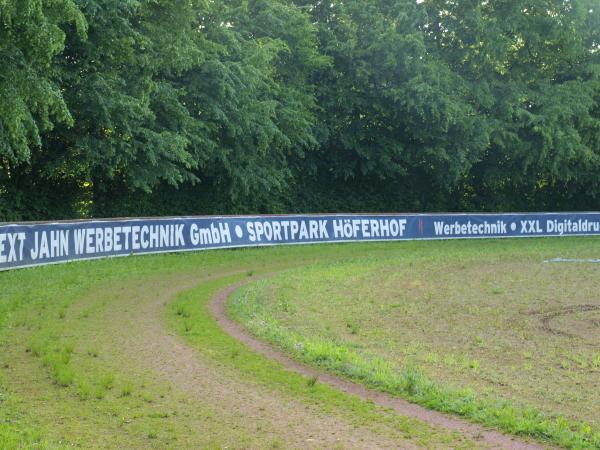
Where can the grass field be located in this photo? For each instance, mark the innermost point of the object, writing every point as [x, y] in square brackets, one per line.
[484, 329]
[122, 353]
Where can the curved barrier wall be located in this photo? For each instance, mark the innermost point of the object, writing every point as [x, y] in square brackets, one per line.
[32, 244]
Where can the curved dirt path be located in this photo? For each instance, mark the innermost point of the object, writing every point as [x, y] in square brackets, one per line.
[208, 402]
[491, 438]
[216, 405]
[138, 329]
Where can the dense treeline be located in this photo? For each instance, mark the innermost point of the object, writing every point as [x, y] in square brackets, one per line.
[155, 107]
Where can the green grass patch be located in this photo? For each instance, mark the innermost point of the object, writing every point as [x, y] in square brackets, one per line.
[19, 437]
[413, 384]
[212, 342]
[64, 362]
[126, 389]
[400, 323]
[107, 381]
[63, 354]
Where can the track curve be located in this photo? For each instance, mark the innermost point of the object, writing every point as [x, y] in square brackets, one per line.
[495, 439]
[119, 317]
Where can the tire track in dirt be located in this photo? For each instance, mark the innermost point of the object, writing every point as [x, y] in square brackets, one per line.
[487, 437]
[546, 317]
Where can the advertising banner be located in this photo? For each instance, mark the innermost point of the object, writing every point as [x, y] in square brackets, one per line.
[31, 244]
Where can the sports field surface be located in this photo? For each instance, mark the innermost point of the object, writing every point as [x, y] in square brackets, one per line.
[125, 353]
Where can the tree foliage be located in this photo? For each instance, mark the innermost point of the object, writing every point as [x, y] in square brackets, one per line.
[137, 107]
[537, 63]
[30, 37]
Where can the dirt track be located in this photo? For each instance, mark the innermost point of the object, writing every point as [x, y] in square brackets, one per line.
[126, 325]
[546, 317]
[486, 437]
[262, 410]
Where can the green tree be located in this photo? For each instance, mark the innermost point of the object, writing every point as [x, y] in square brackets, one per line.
[120, 107]
[32, 34]
[252, 110]
[395, 118]
[130, 124]
[533, 66]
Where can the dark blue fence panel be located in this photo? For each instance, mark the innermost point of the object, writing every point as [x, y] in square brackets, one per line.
[30, 244]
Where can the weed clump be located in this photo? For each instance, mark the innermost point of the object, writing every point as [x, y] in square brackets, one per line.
[126, 389]
[107, 381]
[182, 312]
[312, 381]
[63, 375]
[84, 390]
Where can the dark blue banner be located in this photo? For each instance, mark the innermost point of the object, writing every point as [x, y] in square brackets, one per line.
[30, 244]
